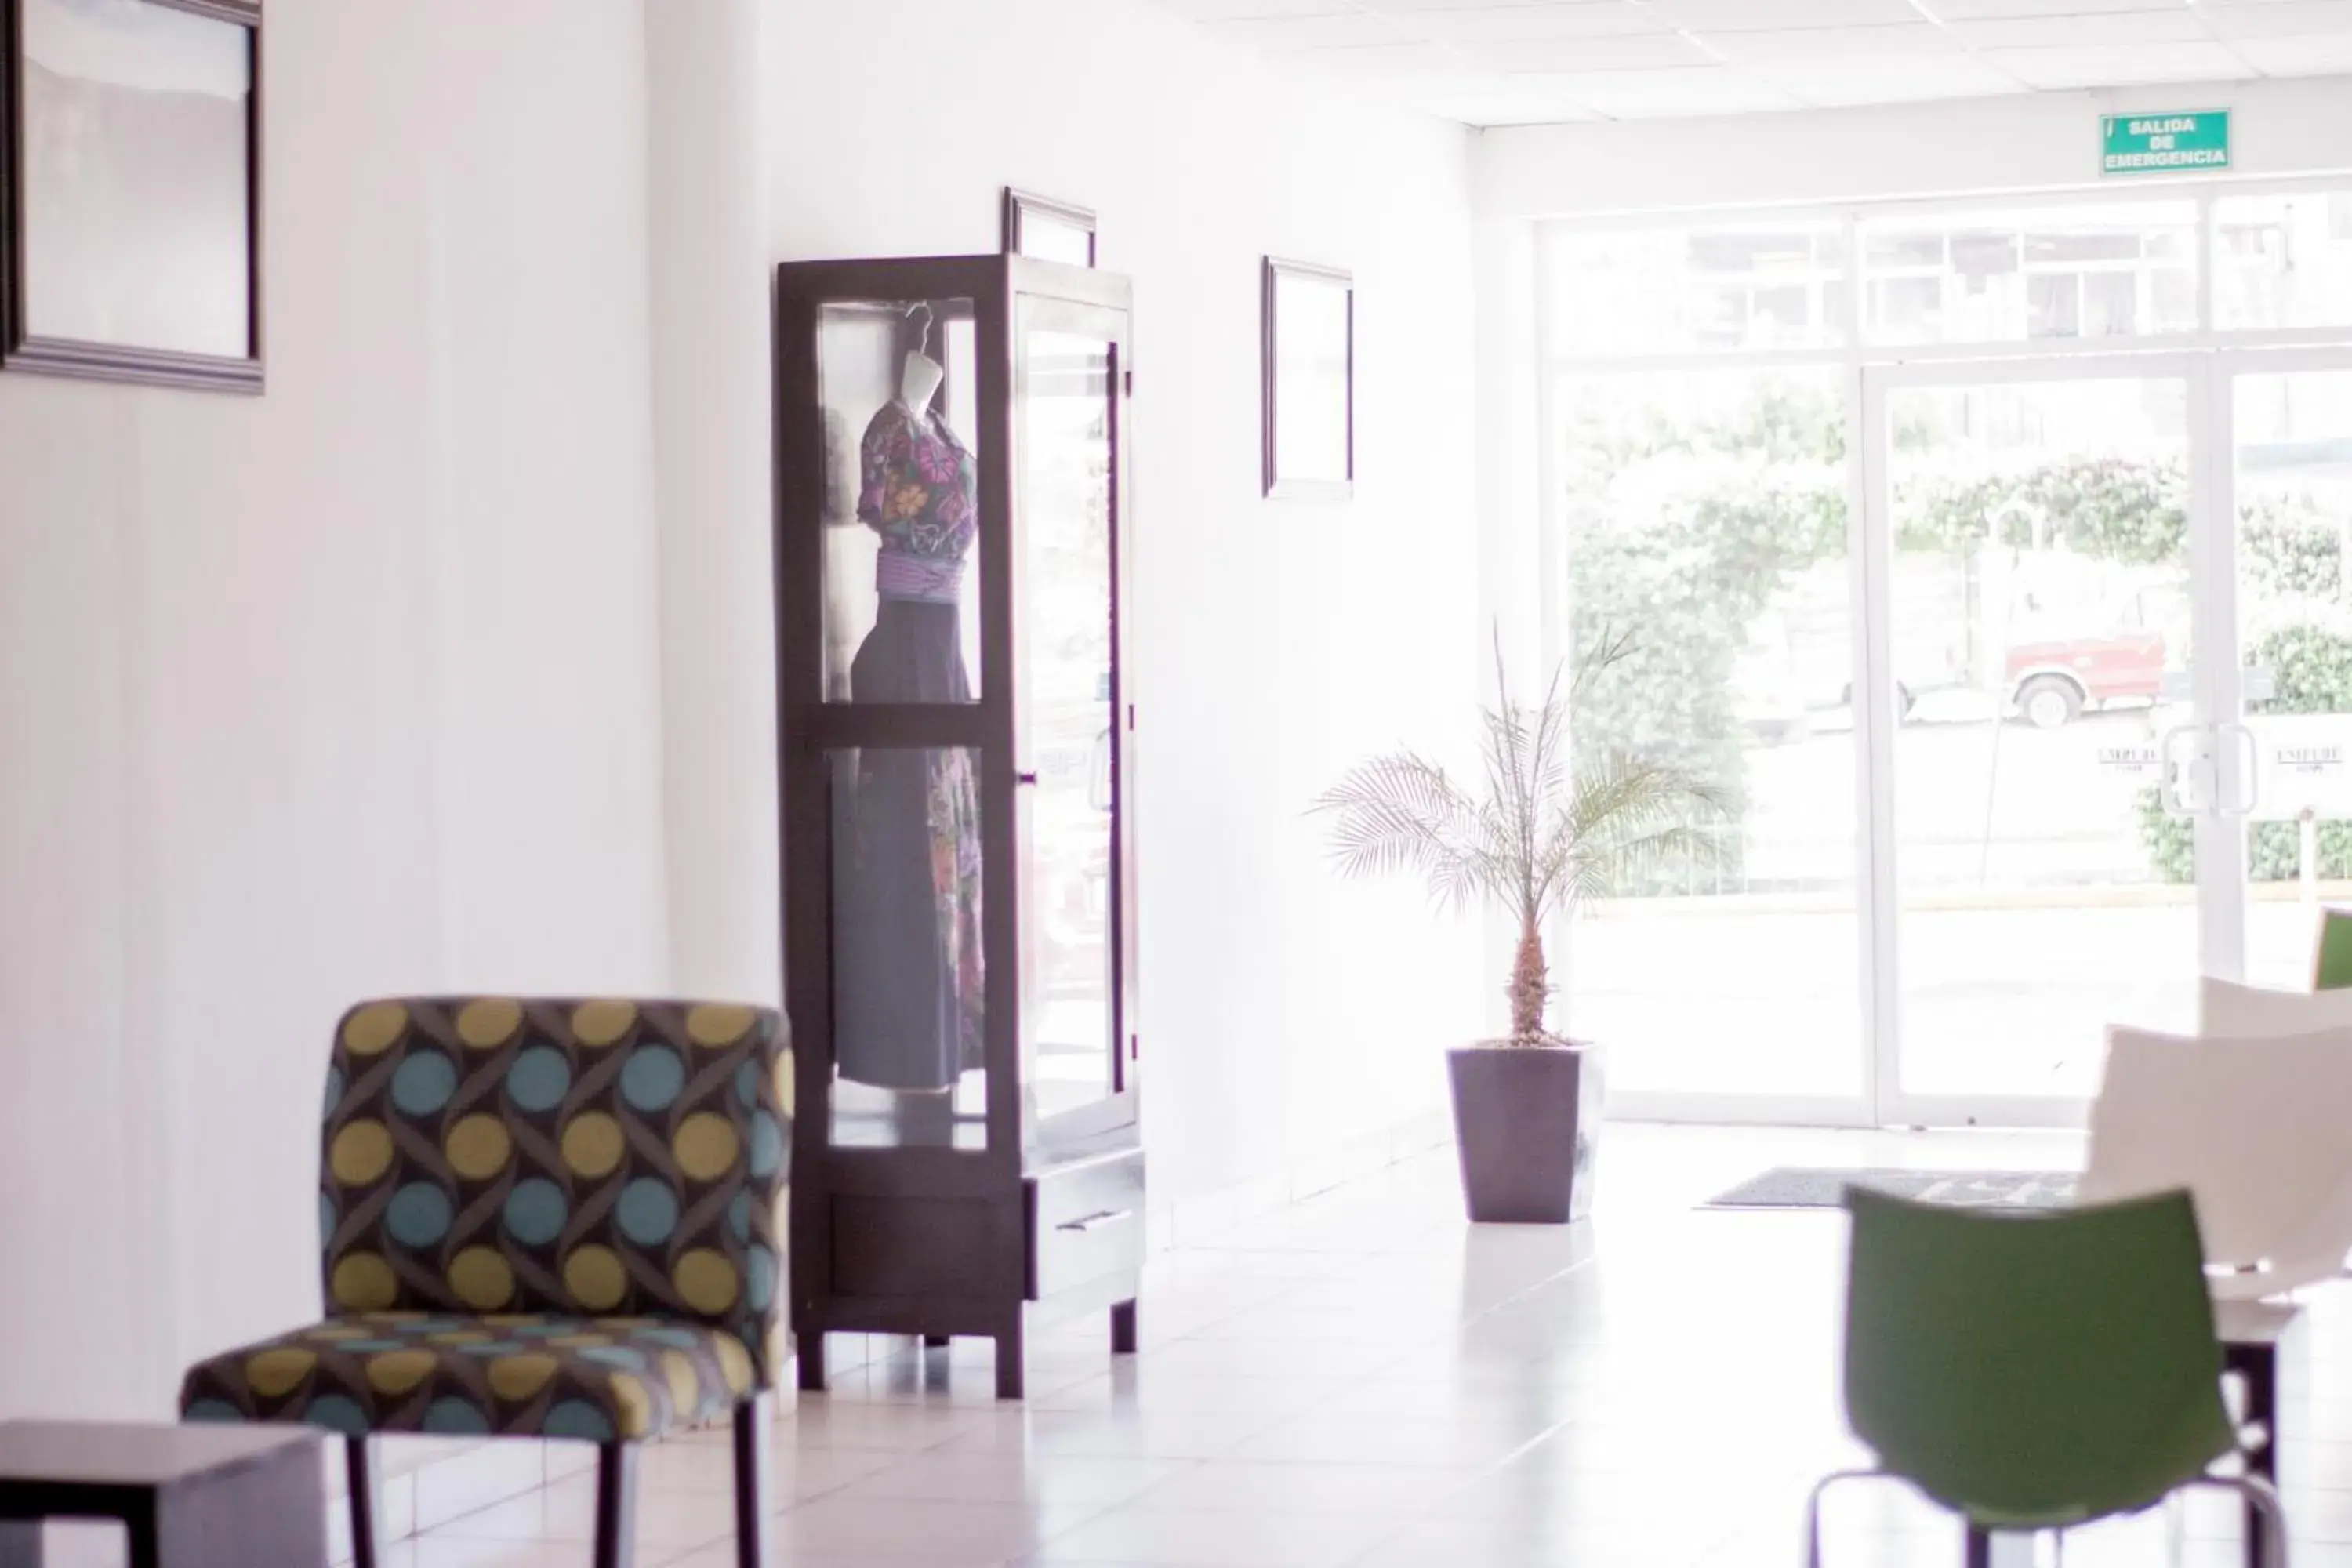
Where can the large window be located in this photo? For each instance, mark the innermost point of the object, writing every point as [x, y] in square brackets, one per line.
[1901, 506]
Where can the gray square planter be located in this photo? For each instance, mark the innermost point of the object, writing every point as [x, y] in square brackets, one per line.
[1526, 1121]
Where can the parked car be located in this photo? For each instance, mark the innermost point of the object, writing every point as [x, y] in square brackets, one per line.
[2052, 678]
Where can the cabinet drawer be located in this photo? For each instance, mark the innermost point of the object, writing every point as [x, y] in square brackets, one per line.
[1086, 1221]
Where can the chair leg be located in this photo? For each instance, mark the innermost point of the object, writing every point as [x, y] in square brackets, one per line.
[754, 1421]
[616, 1506]
[2265, 1548]
[1814, 1510]
[364, 1470]
[1123, 1329]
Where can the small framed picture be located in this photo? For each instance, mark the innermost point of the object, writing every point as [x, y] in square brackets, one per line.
[1308, 344]
[131, 190]
[1047, 229]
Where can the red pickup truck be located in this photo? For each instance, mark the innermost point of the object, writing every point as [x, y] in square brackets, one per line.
[2053, 679]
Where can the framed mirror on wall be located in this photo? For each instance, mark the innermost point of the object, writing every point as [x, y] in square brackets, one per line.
[1048, 230]
[1308, 349]
[131, 190]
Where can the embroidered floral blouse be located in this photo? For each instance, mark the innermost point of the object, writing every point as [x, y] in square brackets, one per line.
[920, 487]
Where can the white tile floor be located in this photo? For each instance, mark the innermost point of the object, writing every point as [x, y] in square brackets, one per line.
[1365, 1379]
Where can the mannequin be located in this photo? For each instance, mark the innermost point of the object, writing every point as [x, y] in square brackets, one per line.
[908, 976]
[919, 380]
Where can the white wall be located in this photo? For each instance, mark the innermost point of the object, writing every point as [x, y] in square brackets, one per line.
[2028, 142]
[352, 687]
[1283, 1013]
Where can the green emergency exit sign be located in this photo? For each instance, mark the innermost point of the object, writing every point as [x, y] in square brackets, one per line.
[2164, 143]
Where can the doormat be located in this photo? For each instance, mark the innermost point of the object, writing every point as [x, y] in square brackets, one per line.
[1807, 1187]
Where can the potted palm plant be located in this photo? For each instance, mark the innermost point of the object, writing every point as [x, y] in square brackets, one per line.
[1539, 836]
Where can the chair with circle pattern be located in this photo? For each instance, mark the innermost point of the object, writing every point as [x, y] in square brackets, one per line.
[541, 1219]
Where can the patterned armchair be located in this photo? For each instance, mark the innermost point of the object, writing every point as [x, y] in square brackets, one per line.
[550, 1219]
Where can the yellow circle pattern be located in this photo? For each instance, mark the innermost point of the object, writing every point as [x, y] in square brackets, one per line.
[714, 1023]
[489, 1022]
[706, 1280]
[598, 1023]
[706, 1146]
[633, 1404]
[365, 1283]
[361, 1152]
[370, 1030]
[784, 1082]
[595, 1278]
[482, 1279]
[593, 1144]
[516, 1377]
[477, 1147]
[735, 1363]
[274, 1373]
[460, 1337]
[396, 1372]
[685, 1383]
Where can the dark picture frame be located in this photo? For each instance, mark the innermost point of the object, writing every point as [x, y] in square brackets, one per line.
[25, 344]
[1307, 380]
[1030, 222]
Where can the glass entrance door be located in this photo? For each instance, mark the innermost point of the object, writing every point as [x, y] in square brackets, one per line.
[2035, 720]
[2287, 765]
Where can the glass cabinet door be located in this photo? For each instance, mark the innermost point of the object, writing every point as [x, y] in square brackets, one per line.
[1066, 736]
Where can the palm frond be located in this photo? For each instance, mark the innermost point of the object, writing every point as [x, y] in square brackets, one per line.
[1544, 832]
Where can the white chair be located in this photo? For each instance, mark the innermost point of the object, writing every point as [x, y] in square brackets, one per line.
[2255, 1128]
[2226, 1011]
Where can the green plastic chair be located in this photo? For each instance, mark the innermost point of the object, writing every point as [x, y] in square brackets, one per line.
[2039, 1370]
[2334, 969]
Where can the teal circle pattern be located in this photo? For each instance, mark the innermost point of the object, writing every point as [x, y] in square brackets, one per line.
[578, 1419]
[766, 1145]
[334, 1089]
[212, 1410]
[539, 1079]
[760, 1277]
[739, 1215]
[423, 1083]
[653, 1078]
[456, 1418]
[418, 1214]
[646, 1212]
[367, 1347]
[535, 1212]
[746, 1084]
[621, 1356]
[341, 1414]
[326, 1220]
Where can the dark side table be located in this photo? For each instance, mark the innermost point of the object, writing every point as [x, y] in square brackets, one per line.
[189, 1497]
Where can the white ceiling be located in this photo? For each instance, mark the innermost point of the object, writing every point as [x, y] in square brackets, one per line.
[1486, 62]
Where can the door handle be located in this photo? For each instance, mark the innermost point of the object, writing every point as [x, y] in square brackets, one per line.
[2248, 784]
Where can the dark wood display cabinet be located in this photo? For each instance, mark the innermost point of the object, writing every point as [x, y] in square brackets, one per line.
[956, 746]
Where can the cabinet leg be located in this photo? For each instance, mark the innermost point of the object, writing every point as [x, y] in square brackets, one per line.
[1122, 1329]
[935, 1341]
[810, 1357]
[1011, 1361]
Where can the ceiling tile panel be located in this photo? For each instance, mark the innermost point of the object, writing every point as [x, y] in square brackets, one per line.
[1315, 32]
[2177, 26]
[1830, 46]
[1967, 10]
[2283, 19]
[1615, 18]
[1695, 91]
[1854, 83]
[2300, 57]
[2073, 68]
[1762, 16]
[1661, 51]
